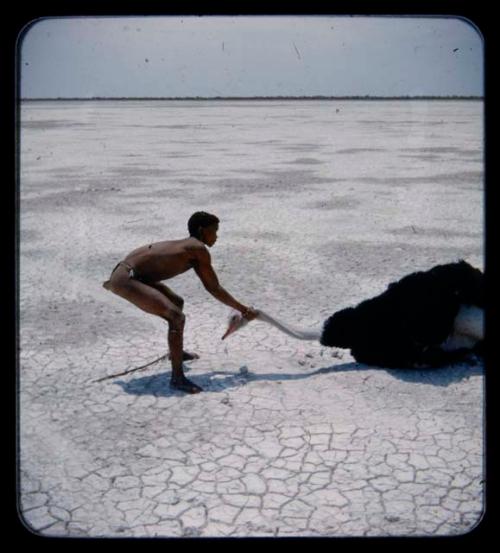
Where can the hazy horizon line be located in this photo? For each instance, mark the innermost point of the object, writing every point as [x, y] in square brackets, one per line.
[312, 97]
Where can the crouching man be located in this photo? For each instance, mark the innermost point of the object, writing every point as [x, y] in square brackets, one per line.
[138, 280]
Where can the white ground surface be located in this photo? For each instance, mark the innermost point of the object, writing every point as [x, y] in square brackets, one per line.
[322, 204]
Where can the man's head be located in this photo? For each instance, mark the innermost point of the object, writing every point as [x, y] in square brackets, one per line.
[204, 227]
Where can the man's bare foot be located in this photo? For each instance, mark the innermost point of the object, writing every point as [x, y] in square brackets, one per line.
[187, 356]
[185, 385]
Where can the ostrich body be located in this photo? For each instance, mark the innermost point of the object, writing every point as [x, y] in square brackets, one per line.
[430, 318]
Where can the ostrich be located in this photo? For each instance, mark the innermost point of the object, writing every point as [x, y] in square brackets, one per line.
[427, 319]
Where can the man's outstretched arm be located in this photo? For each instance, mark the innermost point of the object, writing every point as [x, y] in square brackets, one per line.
[208, 277]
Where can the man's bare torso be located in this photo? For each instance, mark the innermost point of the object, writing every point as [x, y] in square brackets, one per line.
[164, 260]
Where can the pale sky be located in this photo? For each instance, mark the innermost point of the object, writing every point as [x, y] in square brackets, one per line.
[250, 56]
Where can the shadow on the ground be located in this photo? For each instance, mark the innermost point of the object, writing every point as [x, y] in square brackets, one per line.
[217, 381]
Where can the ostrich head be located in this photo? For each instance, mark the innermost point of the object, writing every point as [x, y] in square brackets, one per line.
[236, 321]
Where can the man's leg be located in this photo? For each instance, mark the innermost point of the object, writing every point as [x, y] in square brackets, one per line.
[175, 343]
[152, 301]
[178, 302]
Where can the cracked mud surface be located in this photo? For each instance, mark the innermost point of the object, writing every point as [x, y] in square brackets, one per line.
[319, 209]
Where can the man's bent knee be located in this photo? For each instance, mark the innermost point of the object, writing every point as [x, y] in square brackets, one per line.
[176, 320]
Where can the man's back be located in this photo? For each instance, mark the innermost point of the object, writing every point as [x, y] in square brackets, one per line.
[166, 259]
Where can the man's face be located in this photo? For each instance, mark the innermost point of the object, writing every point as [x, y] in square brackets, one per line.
[209, 234]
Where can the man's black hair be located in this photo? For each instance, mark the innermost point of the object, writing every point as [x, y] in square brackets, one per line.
[200, 220]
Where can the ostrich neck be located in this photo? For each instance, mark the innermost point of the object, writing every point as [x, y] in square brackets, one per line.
[301, 334]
